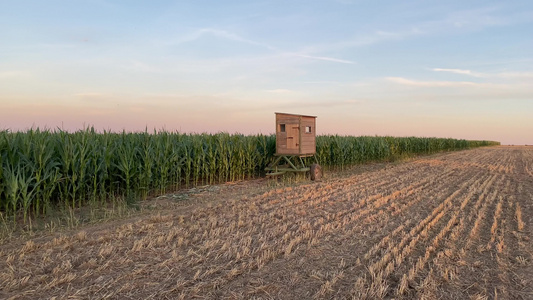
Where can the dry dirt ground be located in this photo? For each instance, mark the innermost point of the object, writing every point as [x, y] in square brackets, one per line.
[448, 226]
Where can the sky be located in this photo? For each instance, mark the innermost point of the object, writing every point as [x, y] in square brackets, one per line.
[459, 69]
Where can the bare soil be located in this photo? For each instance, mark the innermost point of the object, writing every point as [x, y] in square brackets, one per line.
[449, 226]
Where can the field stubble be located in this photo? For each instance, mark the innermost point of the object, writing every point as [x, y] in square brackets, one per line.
[449, 226]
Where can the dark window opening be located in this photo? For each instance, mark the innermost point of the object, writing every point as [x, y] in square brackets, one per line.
[307, 129]
[281, 127]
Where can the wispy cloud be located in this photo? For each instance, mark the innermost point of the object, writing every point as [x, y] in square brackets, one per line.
[459, 71]
[219, 33]
[223, 34]
[417, 83]
[509, 75]
[471, 20]
[366, 39]
[455, 22]
[325, 58]
[476, 18]
[459, 21]
[464, 90]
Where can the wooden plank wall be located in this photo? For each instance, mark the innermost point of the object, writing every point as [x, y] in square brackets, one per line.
[281, 137]
[306, 142]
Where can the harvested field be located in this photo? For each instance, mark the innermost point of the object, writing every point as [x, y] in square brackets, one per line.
[448, 226]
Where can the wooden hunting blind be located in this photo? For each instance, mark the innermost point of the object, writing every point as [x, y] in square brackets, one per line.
[295, 140]
[295, 134]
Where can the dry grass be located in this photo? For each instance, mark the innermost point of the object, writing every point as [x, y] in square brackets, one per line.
[448, 226]
[519, 220]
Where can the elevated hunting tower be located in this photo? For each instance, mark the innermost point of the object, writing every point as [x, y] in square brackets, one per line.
[295, 140]
[295, 134]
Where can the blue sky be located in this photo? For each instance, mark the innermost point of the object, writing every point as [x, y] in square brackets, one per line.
[461, 69]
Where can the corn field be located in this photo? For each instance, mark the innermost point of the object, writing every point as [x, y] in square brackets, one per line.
[41, 169]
